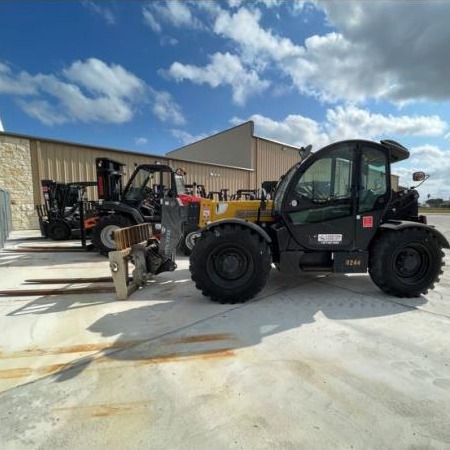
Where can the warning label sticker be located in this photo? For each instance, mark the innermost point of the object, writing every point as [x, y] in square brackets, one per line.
[329, 238]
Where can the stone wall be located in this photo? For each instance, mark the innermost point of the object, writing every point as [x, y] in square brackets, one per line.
[16, 177]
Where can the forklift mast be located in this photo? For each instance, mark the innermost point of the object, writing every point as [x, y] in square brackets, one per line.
[109, 179]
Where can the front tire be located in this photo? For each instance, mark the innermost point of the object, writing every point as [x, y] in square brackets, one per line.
[102, 234]
[406, 263]
[230, 263]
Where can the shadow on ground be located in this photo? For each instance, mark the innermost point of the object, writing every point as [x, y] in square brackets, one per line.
[183, 325]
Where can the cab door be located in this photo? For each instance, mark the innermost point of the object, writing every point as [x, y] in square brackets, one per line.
[319, 205]
[374, 192]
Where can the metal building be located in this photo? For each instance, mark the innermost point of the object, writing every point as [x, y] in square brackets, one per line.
[233, 159]
[239, 147]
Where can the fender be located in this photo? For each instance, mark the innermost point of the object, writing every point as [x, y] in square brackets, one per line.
[122, 209]
[396, 225]
[242, 222]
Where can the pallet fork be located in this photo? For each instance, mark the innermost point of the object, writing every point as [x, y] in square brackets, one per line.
[148, 254]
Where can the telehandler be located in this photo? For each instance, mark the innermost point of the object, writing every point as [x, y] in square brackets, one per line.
[333, 211]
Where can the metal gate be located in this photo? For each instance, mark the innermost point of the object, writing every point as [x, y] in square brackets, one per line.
[5, 216]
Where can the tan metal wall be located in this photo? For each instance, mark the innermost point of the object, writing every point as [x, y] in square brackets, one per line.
[214, 178]
[230, 148]
[68, 163]
[272, 159]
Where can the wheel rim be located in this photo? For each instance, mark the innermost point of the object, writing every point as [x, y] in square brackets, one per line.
[230, 265]
[106, 236]
[191, 239]
[412, 263]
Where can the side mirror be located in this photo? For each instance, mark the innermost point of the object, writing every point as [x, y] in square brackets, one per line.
[419, 176]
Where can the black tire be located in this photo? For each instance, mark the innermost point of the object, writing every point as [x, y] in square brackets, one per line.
[406, 263]
[230, 263]
[186, 245]
[102, 232]
[59, 231]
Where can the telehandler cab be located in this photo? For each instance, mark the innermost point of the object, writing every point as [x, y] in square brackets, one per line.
[334, 211]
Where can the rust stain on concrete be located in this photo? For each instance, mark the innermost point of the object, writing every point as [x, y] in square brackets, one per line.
[107, 409]
[16, 373]
[45, 370]
[200, 338]
[176, 357]
[77, 348]
[200, 354]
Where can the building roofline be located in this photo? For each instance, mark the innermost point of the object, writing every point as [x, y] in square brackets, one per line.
[215, 135]
[252, 125]
[78, 144]
[293, 147]
[112, 149]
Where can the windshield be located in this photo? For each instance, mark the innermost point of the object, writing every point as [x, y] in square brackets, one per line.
[144, 182]
[282, 186]
[179, 182]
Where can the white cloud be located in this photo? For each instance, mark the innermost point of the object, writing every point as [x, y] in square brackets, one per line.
[141, 141]
[256, 43]
[433, 161]
[104, 12]
[344, 123]
[224, 69]
[371, 53]
[266, 3]
[166, 109]
[71, 103]
[353, 122]
[103, 79]
[86, 91]
[15, 84]
[186, 138]
[150, 20]
[309, 66]
[299, 131]
[332, 68]
[173, 12]
[400, 60]
[294, 130]
[168, 40]
[42, 111]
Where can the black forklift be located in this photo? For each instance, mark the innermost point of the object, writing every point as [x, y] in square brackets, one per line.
[140, 201]
[334, 211]
[65, 207]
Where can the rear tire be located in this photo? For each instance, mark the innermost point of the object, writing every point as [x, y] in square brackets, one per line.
[58, 231]
[230, 263]
[102, 237]
[406, 263]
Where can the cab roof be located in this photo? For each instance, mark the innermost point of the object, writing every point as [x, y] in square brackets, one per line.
[396, 151]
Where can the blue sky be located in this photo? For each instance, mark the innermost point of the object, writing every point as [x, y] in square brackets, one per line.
[153, 76]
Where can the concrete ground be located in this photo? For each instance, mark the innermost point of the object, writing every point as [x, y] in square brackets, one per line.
[315, 362]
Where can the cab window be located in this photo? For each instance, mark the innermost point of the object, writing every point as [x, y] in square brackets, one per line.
[324, 190]
[327, 179]
[374, 180]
